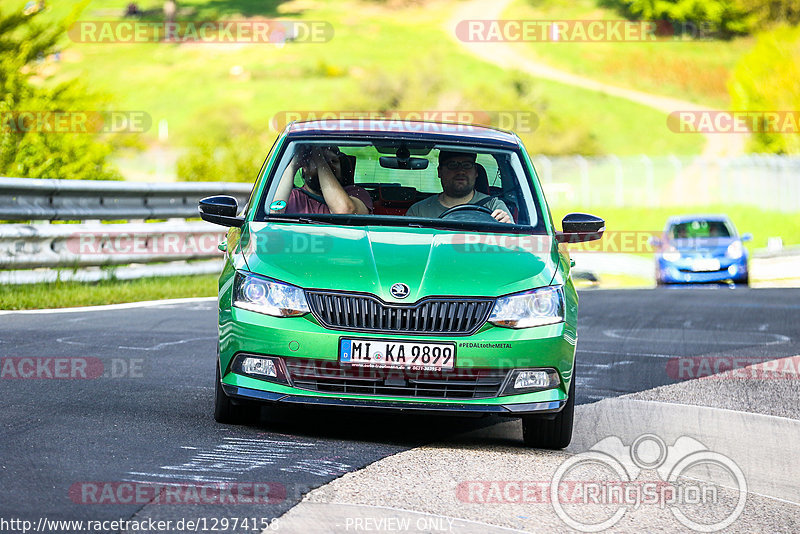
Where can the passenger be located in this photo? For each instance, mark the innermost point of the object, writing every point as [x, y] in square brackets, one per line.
[322, 191]
[457, 172]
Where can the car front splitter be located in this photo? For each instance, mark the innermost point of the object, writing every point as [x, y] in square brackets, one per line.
[417, 407]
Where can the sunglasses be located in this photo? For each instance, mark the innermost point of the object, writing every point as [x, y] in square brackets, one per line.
[464, 165]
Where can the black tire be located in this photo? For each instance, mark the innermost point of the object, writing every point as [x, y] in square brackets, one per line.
[230, 413]
[556, 433]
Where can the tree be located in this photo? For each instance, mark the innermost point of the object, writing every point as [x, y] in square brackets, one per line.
[24, 43]
[767, 78]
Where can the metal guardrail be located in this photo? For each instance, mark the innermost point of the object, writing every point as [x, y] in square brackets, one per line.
[25, 199]
[30, 246]
[93, 251]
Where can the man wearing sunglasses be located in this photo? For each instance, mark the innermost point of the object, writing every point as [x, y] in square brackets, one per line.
[457, 172]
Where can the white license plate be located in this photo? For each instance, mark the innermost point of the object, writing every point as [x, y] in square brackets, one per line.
[397, 354]
[705, 265]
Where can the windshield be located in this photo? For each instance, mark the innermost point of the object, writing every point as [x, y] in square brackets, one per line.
[402, 183]
[700, 229]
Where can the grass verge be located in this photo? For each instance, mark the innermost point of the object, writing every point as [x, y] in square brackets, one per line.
[192, 85]
[693, 69]
[71, 294]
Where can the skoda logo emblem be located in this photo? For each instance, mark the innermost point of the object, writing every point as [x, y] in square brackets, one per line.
[399, 291]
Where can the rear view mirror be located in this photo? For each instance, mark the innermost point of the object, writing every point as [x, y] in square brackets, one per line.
[747, 237]
[393, 162]
[577, 227]
[220, 210]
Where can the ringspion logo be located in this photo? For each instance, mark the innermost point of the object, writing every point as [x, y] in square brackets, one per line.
[592, 491]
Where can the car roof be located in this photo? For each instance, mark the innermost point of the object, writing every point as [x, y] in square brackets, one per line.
[405, 129]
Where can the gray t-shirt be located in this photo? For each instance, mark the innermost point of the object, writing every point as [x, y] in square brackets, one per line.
[432, 208]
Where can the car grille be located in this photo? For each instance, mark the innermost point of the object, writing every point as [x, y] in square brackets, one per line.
[331, 377]
[431, 316]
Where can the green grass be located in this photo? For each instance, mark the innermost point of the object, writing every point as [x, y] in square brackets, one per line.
[694, 70]
[70, 294]
[188, 85]
[762, 224]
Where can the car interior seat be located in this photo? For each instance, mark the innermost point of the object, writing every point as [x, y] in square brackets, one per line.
[482, 180]
[394, 199]
[348, 169]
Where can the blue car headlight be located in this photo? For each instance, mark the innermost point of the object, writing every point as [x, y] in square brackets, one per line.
[671, 254]
[735, 250]
[263, 295]
[536, 307]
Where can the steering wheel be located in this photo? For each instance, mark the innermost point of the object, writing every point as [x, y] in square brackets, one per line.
[465, 212]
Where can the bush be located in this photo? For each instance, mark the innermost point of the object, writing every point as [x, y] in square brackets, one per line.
[725, 18]
[37, 154]
[765, 79]
[232, 152]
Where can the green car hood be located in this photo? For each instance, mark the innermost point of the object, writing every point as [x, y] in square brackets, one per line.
[369, 259]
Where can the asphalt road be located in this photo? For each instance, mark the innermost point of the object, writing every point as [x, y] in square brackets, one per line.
[143, 414]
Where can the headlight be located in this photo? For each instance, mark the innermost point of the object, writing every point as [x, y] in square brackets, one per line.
[671, 254]
[531, 308]
[735, 250]
[263, 295]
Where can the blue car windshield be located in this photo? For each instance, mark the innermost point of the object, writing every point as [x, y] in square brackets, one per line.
[700, 229]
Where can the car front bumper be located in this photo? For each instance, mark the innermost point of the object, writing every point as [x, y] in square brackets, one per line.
[681, 272]
[451, 408]
[491, 349]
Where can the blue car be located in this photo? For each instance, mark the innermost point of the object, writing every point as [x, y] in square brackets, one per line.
[701, 249]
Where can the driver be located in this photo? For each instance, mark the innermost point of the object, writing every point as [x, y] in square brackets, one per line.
[458, 171]
[322, 191]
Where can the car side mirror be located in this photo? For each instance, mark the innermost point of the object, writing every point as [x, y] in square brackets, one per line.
[220, 210]
[654, 241]
[578, 227]
[747, 237]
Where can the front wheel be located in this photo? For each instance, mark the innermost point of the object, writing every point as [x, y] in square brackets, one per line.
[555, 433]
[226, 412]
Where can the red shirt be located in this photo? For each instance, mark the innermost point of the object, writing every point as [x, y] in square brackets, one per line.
[299, 202]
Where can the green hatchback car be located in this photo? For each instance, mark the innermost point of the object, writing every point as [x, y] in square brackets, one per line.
[405, 266]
